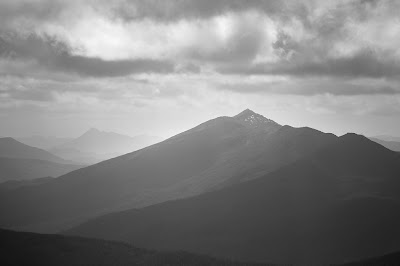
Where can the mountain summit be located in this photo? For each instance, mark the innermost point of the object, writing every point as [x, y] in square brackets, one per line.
[251, 119]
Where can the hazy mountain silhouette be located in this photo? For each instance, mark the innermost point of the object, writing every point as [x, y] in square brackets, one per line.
[391, 145]
[216, 154]
[95, 146]
[26, 169]
[339, 204]
[43, 142]
[387, 138]
[20, 248]
[10, 148]
[14, 184]
[19, 161]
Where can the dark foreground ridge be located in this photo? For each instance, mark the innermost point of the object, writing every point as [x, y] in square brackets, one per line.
[21, 248]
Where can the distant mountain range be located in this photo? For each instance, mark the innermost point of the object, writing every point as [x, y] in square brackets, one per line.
[11, 148]
[20, 162]
[241, 187]
[216, 154]
[95, 146]
[387, 138]
[391, 145]
[43, 142]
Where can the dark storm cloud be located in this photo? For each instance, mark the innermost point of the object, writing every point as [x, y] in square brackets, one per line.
[182, 9]
[363, 64]
[30, 10]
[311, 87]
[29, 94]
[56, 56]
[295, 39]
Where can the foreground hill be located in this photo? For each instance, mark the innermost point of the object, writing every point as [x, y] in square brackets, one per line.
[10, 148]
[392, 259]
[216, 154]
[95, 146]
[28, 169]
[20, 249]
[339, 204]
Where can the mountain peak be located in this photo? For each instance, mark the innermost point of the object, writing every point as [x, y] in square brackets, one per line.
[246, 113]
[251, 119]
[92, 131]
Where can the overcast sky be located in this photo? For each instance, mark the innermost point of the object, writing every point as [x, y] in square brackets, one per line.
[161, 67]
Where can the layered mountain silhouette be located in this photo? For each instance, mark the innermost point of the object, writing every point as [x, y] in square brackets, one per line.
[95, 146]
[20, 162]
[391, 145]
[216, 154]
[241, 187]
[20, 248]
[11, 148]
[43, 142]
[387, 138]
[28, 169]
[338, 204]
[14, 184]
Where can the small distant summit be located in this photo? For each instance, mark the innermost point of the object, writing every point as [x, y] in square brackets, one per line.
[93, 130]
[245, 113]
[251, 119]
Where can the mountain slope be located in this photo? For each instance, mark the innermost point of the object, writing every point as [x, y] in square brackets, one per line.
[391, 145]
[216, 154]
[95, 146]
[43, 142]
[19, 248]
[27, 169]
[10, 148]
[337, 205]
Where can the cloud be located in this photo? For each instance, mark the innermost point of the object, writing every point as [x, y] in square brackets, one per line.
[365, 63]
[311, 86]
[300, 40]
[53, 55]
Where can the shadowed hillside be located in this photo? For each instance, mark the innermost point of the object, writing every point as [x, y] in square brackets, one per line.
[334, 206]
[20, 249]
[216, 154]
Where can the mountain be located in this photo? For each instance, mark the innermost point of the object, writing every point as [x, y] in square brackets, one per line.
[19, 161]
[27, 169]
[339, 204]
[95, 146]
[391, 145]
[216, 154]
[20, 248]
[43, 142]
[392, 259]
[14, 184]
[10, 148]
[387, 138]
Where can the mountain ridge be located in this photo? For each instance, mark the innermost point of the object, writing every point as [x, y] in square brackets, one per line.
[317, 210]
[215, 154]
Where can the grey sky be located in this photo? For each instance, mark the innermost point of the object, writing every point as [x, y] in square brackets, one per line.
[161, 67]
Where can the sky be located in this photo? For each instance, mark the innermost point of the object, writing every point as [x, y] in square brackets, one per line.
[163, 66]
